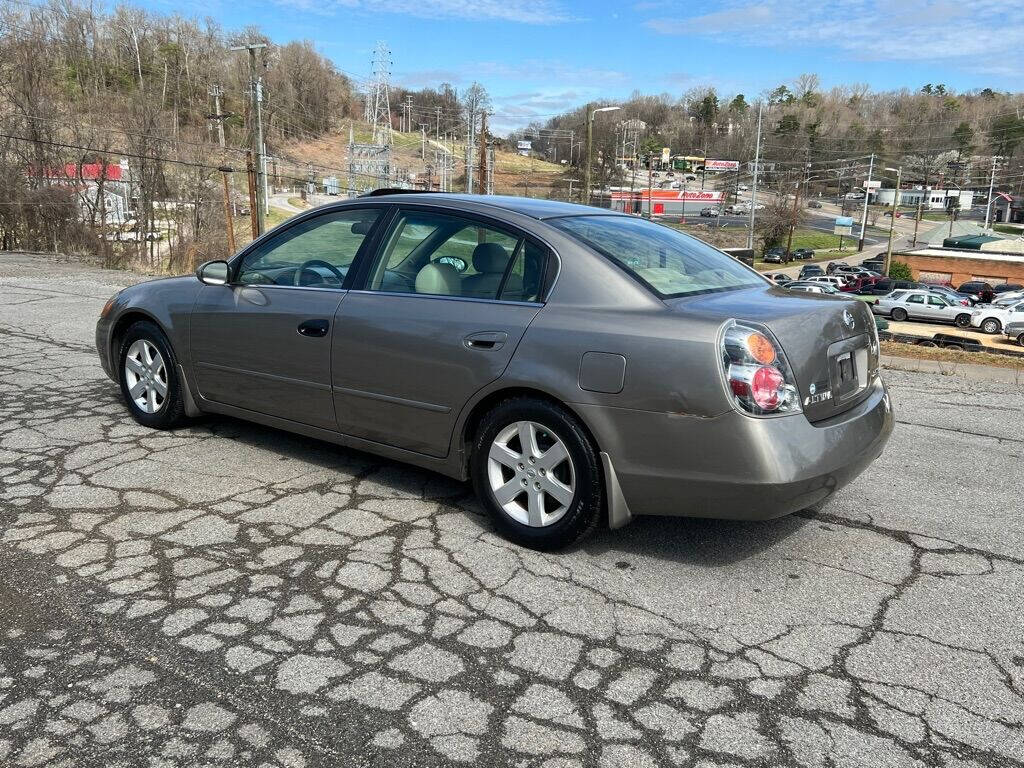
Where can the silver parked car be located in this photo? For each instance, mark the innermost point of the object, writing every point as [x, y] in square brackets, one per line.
[921, 305]
[1015, 330]
[580, 366]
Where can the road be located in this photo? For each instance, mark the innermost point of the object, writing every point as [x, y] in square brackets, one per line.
[231, 595]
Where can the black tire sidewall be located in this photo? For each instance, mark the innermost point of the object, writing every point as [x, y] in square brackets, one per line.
[962, 320]
[985, 324]
[899, 315]
[172, 411]
[586, 509]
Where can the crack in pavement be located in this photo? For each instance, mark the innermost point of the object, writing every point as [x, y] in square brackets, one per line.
[231, 595]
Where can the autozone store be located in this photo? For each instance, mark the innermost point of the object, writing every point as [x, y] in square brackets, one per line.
[665, 202]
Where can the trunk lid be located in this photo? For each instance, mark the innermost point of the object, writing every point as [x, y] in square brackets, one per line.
[828, 340]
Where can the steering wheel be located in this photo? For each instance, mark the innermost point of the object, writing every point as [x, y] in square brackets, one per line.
[317, 263]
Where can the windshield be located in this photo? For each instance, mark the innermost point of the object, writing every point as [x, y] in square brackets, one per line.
[669, 262]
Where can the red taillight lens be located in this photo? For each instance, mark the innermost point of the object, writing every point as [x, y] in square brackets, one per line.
[765, 386]
[757, 373]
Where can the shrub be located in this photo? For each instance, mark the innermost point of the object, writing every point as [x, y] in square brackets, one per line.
[900, 271]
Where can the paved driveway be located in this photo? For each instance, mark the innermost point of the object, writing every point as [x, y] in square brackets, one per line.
[230, 595]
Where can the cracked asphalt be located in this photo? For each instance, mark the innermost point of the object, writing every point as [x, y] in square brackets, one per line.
[231, 595]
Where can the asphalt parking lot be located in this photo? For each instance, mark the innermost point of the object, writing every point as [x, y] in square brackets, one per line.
[231, 595]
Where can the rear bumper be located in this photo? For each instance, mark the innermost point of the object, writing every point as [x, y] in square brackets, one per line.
[737, 467]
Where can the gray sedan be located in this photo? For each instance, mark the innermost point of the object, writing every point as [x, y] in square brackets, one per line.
[579, 366]
[921, 305]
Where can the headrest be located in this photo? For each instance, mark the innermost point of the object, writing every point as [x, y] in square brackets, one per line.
[438, 278]
[490, 257]
[361, 227]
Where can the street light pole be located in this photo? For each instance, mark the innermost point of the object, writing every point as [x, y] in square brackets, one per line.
[753, 188]
[867, 194]
[892, 222]
[991, 186]
[590, 149]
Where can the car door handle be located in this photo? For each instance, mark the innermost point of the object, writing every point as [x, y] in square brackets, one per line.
[314, 328]
[486, 340]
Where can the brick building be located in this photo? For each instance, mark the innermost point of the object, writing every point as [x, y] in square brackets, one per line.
[953, 267]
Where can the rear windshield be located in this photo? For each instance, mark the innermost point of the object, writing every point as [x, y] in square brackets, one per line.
[668, 262]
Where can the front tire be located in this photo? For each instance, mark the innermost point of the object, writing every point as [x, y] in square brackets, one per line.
[148, 374]
[537, 473]
[991, 325]
[1020, 340]
[963, 320]
[899, 315]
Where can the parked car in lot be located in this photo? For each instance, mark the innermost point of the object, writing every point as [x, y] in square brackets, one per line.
[522, 344]
[889, 213]
[919, 305]
[813, 204]
[1006, 288]
[982, 292]
[736, 210]
[809, 287]
[992, 319]
[810, 270]
[887, 285]
[779, 277]
[833, 265]
[803, 253]
[962, 299]
[709, 212]
[1015, 331]
[777, 255]
[833, 280]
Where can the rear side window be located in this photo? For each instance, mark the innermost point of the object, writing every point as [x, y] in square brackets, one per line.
[896, 295]
[668, 262]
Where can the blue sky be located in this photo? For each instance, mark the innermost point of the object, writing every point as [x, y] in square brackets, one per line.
[539, 57]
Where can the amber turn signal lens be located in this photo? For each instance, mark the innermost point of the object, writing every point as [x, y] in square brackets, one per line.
[108, 306]
[761, 348]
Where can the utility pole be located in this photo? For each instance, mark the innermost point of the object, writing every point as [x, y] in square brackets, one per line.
[867, 194]
[437, 125]
[483, 152]
[470, 147]
[216, 91]
[753, 187]
[225, 170]
[256, 94]
[892, 220]
[250, 173]
[792, 224]
[991, 187]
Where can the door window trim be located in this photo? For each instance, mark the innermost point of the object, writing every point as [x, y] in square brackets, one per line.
[552, 262]
[369, 245]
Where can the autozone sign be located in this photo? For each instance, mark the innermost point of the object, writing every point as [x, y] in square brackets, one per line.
[722, 165]
[663, 195]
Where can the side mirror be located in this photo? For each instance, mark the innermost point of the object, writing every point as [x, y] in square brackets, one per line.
[213, 273]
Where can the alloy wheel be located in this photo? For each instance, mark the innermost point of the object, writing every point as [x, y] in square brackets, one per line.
[531, 474]
[146, 376]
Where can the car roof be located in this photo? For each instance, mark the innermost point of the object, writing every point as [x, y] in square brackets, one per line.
[526, 206]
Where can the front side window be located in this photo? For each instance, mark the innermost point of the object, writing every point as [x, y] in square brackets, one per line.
[443, 255]
[314, 253]
[936, 301]
[665, 260]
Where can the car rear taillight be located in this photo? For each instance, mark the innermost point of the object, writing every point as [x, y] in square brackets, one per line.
[757, 373]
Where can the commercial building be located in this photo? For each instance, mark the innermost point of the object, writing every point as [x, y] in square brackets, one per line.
[1007, 208]
[664, 202]
[948, 266]
[933, 199]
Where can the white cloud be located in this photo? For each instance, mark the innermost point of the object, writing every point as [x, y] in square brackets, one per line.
[973, 34]
[515, 11]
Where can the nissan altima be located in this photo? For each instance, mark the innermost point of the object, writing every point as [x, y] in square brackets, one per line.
[579, 366]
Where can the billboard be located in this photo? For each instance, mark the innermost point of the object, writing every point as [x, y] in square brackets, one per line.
[872, 184]
[722, 165]
[527, 145]
[843, 225]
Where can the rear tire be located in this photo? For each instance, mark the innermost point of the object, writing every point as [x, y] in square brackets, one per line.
[991, 325]
[963, 320]
[1020, 340]
[500, 464]
[148, 373]
[899, 315]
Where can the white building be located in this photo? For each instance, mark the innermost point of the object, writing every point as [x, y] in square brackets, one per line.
[934, 199]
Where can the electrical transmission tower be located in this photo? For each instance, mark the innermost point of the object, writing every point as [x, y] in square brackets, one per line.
[381, 99]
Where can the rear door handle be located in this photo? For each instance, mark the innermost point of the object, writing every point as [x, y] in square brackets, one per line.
[486, 340]
[314, 328]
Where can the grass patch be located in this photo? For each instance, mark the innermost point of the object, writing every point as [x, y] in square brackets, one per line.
[1009, 229]
[297, 202]
[915, 352]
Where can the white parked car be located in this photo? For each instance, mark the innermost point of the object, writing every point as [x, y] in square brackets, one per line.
[835, 281]
[993, 318]
[1008, 298]
[920, 305]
